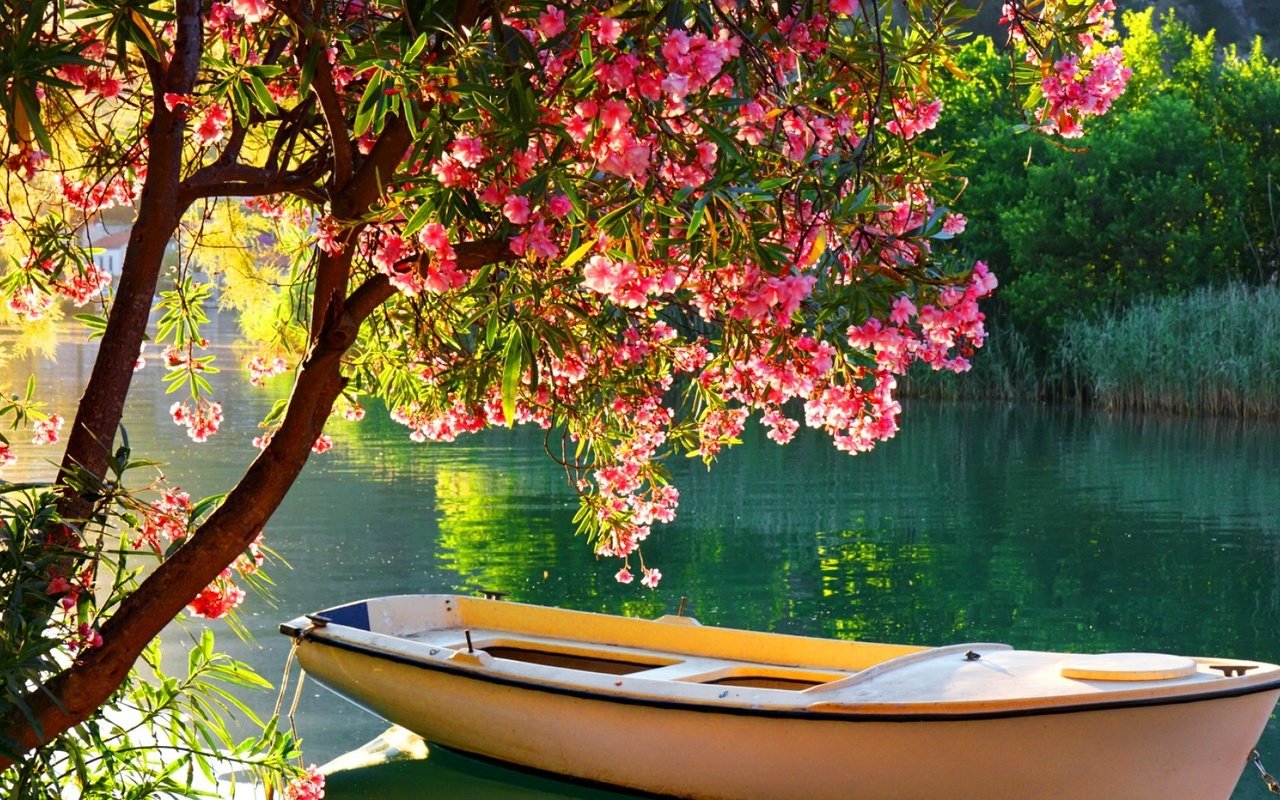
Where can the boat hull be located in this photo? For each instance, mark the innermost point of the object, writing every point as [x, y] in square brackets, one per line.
[1192, 748]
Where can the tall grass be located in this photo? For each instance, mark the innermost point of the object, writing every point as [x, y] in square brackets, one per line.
[1214, 351]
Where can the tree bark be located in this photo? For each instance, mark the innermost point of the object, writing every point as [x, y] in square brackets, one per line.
[78, 691]
[159, 211]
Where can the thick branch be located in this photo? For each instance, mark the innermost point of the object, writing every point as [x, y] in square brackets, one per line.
[159, 210]
[350, 204]
[78, 691]
[242, 180]
[378, 289]
[326, 92]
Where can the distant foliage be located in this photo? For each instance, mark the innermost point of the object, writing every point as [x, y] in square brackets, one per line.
[1174, 191]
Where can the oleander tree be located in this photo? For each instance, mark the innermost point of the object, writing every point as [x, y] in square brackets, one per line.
[634, 225]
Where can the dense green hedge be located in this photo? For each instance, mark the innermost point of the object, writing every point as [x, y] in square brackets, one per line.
[1177, 189]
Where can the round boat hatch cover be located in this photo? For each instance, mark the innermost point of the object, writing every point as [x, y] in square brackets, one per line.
[1128, 667]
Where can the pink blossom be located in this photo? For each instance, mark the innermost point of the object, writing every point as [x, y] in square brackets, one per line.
[217, 599]
[174, 101]
[46, 430]
[912, 118]
[211, 127]
[251, 10]
[353, 412]
[309, 786]
[608, 30]
[954, 224]
[600, 275]
[651, 577]
[260, 369]
[165, 520]
[201, 422]
[516, 209]
[82, 287]
[551, 22]
[469, 151]
[624, 576]
[323, 444]
[435, 238]
[903, 310]
[7, 457]
[87, 637]
[560, 205]
[30, 304]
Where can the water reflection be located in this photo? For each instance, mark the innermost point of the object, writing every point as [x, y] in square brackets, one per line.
[1045, 529]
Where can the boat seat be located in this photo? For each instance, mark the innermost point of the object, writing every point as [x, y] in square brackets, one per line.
[962, 650]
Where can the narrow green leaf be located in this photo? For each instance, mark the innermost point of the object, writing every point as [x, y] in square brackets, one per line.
[578, 253]
[513, 366]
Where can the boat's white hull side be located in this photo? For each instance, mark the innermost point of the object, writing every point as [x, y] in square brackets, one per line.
[1178, 751]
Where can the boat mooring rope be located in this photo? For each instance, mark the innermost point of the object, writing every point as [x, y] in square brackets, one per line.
[1267, 777]
[297, 692]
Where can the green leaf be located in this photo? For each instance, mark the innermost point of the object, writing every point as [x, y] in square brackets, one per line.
[578, 253]
[419, 218]
[513, 366]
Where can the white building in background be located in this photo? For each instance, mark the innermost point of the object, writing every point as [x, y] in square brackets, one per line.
[109, 251]
[109, 241]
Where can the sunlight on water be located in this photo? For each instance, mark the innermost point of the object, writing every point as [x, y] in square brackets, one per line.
[1044, 529]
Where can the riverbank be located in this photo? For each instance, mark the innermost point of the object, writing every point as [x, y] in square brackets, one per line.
[1213, 351]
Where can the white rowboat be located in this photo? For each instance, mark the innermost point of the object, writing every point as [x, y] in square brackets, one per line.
[671, 707]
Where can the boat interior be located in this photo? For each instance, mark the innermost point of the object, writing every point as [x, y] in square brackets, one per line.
[523, 640]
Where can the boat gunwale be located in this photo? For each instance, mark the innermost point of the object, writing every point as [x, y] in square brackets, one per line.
[854, 712]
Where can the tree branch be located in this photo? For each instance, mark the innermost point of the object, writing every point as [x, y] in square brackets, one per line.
[378, 289]
[242, 180]
[159, 209]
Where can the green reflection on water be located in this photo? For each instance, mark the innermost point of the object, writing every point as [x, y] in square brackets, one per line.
[1044, 529]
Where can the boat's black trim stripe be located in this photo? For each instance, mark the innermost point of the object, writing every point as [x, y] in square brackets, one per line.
[864, 716]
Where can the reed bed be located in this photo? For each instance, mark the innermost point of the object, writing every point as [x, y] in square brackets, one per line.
[1213, 351]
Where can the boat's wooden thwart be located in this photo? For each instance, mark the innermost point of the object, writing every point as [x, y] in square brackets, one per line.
[672, 707]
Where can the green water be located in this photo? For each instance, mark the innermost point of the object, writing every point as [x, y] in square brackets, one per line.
[1044, 529]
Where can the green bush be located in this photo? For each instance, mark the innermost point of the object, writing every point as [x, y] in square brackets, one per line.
[1177, 189]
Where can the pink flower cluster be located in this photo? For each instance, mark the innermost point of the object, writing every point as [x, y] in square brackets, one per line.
[625, 107]
[911, 118]
[398, 258]
[309, 786]
[29, 303]
[212, 125]
[164, 521]
[1076, 89]
[95, 196]
[1077, 85]
[253, 11]
[218, 598]
[91, 77]
[45, 431]
[201, 422]
[261, 369]
[84, 285]
[223, 595]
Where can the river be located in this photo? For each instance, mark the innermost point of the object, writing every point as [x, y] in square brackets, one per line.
[1045, 528]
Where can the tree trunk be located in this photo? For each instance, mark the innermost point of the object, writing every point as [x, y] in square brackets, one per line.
[159, 211]
[73, 695]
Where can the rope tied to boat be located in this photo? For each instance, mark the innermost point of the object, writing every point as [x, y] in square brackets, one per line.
[297, 692]
[1267, 777]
